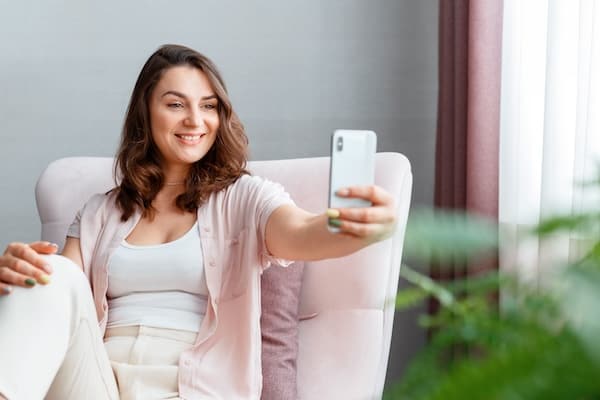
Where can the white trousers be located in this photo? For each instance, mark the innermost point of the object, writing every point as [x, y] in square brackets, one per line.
[51, 346]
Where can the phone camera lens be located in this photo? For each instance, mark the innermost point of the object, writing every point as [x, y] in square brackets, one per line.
[340, 144]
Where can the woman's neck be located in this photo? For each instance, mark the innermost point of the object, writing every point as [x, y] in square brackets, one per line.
[175, 175]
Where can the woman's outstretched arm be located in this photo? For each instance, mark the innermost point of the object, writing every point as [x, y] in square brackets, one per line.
[295, 234]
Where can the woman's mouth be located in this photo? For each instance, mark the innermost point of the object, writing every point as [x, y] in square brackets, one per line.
[189, 138]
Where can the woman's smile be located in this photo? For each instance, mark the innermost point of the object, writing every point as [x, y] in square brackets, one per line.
[190, 138]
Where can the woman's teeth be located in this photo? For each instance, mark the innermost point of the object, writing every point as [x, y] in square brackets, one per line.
[189, 138]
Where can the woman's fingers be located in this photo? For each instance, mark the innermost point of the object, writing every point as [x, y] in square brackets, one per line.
[43, 247]
[21, 271]
[358, 229]
[5, 289]
[382, 211]
[28, 254]
[371, 233]
[371, 223]
[381, 215]
[21, 265]
[28, 278]
[373, 193]
[364, 222]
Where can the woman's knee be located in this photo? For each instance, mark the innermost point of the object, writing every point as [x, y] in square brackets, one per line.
[64, 268]
[67, 278]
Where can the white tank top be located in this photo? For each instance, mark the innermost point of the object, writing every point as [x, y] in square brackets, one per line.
[158, 285]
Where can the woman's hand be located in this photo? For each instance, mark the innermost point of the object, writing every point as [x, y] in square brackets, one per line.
[373, 223]
[23, 265]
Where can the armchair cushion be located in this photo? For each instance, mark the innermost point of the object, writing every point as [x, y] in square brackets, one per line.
[280, 296]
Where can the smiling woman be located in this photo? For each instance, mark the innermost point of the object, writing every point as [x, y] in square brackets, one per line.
[178, 92]
[173, 256]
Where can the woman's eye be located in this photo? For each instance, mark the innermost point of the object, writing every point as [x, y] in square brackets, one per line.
[175, 105]
[209, 106]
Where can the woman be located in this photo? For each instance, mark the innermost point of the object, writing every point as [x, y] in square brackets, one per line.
[174, 252]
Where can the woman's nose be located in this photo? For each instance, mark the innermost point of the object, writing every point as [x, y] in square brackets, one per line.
[194, 118]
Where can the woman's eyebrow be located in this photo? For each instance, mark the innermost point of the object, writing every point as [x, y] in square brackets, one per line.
[183, 96]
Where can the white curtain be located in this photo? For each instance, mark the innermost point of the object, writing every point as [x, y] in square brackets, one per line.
[550, 125]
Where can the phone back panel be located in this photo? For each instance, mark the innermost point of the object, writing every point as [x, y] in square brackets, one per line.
[352, 164]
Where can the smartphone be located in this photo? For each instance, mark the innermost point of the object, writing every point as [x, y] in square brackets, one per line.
[352, 163]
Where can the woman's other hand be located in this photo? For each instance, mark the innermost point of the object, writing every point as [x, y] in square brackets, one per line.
[373, 223]
[22, 265]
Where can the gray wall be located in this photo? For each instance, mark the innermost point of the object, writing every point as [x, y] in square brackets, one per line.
[296, 70]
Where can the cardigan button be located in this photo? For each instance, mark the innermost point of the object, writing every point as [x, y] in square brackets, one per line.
[211, 263]
[206, 229]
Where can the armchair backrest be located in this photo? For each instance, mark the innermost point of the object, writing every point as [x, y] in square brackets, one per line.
[344, 349]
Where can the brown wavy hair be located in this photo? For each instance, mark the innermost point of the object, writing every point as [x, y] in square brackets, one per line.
[138, 160]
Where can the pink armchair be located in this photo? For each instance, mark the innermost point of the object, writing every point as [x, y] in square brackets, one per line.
[344, 347]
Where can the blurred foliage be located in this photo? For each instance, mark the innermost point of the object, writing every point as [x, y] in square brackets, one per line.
[542, 343]
[443, 236]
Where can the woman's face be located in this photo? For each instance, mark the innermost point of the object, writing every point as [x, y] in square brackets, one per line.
[183, 116]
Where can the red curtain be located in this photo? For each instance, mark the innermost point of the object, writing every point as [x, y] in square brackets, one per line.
[466, 177]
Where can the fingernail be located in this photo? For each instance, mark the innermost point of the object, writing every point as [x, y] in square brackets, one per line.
[48, 268]
[29, 282]
[342, 192]
[6, 290]
[53, 245]
[44, 279]
[335, 222]
[332, 213]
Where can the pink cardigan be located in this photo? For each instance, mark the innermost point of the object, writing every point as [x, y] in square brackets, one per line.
[225, 362]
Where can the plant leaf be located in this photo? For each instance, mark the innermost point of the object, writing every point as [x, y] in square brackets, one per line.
[410, 297]
[427, 285]
[433, 236]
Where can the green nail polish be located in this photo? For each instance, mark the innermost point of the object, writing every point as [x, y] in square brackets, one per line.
[335, 222]
[29, 282]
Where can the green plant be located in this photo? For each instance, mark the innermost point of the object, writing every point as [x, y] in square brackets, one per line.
[538, 343]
